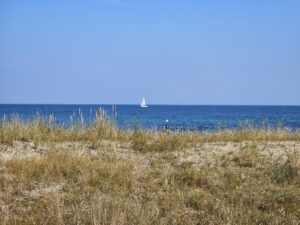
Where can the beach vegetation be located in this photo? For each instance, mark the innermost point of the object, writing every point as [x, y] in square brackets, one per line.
[100, 174]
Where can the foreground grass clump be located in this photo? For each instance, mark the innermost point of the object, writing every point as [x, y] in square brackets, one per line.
[156, 142]
[45, 130]
[63, 184]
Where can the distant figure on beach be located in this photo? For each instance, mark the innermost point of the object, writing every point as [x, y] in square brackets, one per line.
[166, 129]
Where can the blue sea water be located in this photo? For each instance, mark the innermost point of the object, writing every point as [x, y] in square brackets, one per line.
[183, 117]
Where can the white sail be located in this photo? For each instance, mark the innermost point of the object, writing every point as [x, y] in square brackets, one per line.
[143, 103]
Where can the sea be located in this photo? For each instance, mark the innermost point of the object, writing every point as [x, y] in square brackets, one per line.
[179, 117]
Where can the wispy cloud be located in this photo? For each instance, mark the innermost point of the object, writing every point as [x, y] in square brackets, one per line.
[226, 20]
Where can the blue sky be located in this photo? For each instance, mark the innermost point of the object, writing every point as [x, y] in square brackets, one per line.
[171, 52]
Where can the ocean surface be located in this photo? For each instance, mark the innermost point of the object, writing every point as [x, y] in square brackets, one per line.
[180, 117]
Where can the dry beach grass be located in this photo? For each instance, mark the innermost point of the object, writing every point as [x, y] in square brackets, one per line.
[102, 175]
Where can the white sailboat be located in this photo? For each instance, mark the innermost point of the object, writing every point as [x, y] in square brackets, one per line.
[143, 103]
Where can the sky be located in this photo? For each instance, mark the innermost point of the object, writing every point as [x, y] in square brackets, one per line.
[212, 52]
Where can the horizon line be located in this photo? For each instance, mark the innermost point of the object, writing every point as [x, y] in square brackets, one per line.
[130, 104]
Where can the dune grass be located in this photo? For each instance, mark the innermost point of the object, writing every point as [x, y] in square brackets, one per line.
[103, 128]
[151, 183]
[63, 187]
